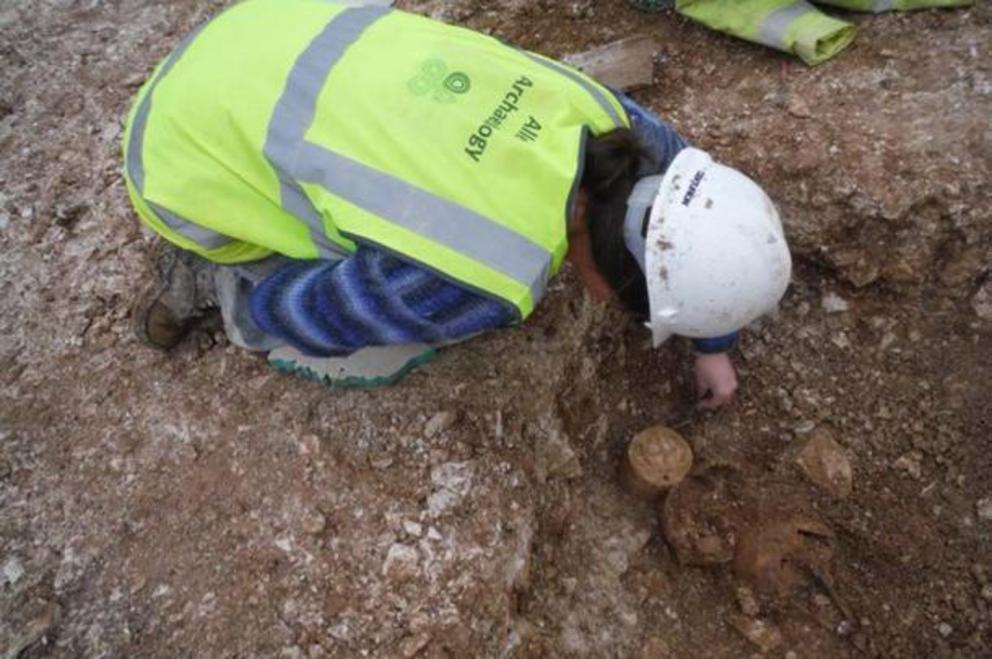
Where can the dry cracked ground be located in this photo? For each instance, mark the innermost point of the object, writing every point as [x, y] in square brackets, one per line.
[198, 504]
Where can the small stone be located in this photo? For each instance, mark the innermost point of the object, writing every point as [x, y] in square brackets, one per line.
[887, 340]
[452, 482]
[413, 528]
[67, 216]
[309, 445]
[763, 634]
[138, 584]
[314, 522]
[982, 302]
[582, 9]
[987, 592]
[556, 458]
[12, 570]
[944, 629]
[439, 423]
[111, 131]
[797, 107]
[747, 601]
[821, 600]
[833, 303]
[984, 509]
[381, 461]
[341, 631]
[655, 648]
[840, 340]
[805, 427]
[411, 646]
[911, 463]
[826, 464]
[402, 562]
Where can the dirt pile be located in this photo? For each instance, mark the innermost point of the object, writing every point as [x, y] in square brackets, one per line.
[769, 530]
[701, 521]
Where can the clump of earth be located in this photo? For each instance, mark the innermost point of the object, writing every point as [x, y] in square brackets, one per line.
[657, 459]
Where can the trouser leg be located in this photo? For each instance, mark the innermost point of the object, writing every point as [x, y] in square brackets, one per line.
[233, 285]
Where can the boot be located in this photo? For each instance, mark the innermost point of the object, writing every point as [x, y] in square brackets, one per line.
[183, 295]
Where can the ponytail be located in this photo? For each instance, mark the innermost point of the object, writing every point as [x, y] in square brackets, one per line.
[611, 166]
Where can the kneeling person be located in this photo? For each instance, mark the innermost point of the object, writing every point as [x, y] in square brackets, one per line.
[362, 185]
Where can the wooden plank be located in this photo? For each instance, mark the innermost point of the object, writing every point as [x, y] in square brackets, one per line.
[625, 64]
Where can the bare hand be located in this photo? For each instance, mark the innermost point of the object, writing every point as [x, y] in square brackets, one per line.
[716, 380]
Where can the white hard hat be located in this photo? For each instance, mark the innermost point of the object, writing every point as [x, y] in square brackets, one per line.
[712, 251]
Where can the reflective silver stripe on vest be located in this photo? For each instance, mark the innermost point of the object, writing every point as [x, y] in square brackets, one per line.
[295, 109]
[442, 221]
[773, 29]
[388, 197]
[202, 236]
[592, 89]
[879, 6]
[136, 167]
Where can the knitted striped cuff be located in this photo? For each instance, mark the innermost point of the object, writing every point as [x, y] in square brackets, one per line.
[716, 344]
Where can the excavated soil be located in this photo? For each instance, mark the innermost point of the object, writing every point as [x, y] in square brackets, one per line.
[199, 504]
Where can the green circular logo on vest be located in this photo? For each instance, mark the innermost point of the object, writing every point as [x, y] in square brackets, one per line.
[457, 82]
[432, 78]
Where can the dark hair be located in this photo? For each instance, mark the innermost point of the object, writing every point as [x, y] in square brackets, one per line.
[610, 174]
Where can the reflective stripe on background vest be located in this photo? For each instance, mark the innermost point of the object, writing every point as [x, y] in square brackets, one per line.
[774, 28]
[413, 154]
[875, 6]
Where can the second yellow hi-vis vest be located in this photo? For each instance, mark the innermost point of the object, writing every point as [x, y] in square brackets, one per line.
[795, 26]
[304, 127]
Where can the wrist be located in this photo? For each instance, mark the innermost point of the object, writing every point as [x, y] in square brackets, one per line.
[715, 345]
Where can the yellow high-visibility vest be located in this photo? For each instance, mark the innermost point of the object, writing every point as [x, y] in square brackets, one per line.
[304, 127]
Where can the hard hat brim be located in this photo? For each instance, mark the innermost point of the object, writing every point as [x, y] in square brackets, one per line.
[675, 186]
